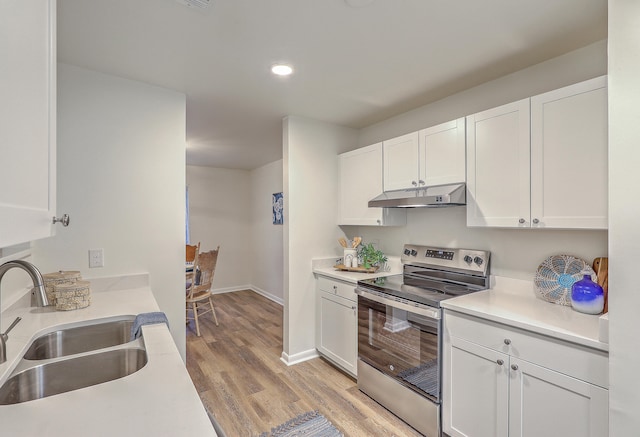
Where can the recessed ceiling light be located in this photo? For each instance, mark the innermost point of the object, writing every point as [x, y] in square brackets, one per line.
[281, 69]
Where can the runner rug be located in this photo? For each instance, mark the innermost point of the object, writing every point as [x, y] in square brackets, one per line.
[309, 424]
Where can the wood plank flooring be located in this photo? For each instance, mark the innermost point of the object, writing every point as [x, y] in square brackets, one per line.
[237, 371]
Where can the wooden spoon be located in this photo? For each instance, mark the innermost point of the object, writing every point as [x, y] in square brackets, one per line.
[601, 267]
[356, 241]
[342, 242]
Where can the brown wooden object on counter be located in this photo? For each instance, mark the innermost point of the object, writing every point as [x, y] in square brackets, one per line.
[601, 267]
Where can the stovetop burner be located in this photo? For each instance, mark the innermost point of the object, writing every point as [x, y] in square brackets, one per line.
[395, 286]
[432, 275]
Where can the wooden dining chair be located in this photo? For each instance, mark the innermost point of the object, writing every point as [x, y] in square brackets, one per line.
[199, 292]
[190, 261]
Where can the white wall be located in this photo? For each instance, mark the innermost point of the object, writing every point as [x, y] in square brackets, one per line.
[266, 238]
[310, 150]
[515, 253]
[121, 172]
[624, 216]
[220, 215]
[581, 64]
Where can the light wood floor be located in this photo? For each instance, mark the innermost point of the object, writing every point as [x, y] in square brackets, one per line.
[237, 371]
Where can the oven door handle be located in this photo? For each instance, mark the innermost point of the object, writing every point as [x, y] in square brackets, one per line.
[423, 310]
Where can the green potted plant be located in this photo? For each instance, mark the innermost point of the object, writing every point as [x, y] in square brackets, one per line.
[370, 257]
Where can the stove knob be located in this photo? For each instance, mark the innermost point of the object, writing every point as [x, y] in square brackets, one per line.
[407, 252]
[468, 259]
[414, 252]
[478, 260]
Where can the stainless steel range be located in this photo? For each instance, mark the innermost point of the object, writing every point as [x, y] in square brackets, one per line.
[399, 327]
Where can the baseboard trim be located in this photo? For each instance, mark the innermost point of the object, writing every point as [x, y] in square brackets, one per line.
[268, 295]
[261, 292]
[300, 357]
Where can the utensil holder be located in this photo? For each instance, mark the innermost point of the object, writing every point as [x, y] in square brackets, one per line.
[350, 254]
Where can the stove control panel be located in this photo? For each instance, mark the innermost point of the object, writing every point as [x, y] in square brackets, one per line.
[440, 254]
[466, 260]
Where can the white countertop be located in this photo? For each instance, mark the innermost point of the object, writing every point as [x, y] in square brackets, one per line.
[324, 267]
[159, 399]
[514, 302]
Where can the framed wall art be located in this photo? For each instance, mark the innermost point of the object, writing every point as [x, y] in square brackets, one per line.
[278, 205]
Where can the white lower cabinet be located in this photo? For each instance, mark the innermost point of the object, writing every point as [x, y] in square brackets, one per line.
[501, 381]
[337, 323]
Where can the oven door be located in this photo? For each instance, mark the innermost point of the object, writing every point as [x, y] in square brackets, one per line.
[401, 339]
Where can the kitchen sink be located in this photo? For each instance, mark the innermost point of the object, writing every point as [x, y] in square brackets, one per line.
[60, 376]
[85, 338]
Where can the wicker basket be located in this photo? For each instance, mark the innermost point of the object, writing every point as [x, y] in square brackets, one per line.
[58, 278]
[73, 296]
[556, 275]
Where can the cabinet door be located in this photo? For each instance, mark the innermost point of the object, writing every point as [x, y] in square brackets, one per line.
[498, 177]
[548, 403]
[569, 148]
[337, 331]
[361, 181]
[476, 390]
[27, 120]
[400, 162]
[442, 153]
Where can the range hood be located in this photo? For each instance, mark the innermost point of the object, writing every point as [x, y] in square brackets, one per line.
[424, 197]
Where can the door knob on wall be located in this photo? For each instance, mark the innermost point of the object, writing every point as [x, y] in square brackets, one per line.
[64, 220]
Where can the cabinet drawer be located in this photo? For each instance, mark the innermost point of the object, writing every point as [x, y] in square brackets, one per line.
[342, 289]
[574, 360]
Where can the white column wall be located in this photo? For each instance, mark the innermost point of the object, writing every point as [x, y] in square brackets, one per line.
[310, 153]
[624, 216]
[121, 173]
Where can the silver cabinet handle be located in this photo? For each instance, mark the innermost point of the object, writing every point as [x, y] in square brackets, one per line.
[521, 221]
[507, 341]
[414, 183]
[514, 367]
[64, 220]
[335, 288]
[500, 362]
[421, 182]
[536, 221]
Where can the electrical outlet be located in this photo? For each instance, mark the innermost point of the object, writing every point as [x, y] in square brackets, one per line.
[96, 258]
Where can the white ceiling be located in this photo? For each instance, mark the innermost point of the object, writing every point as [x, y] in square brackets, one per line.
[354, 66]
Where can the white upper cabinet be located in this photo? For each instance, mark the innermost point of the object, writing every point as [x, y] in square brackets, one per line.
[442, 153]
[498, 166]
[432, 156]
[361, 181]
[27, 120]
[541, 162]
[401, 157]
[569, 156]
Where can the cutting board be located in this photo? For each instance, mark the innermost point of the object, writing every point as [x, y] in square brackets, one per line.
[601, 267]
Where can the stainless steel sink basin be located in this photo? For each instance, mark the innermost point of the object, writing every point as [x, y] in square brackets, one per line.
[51, 378]
[80, 339]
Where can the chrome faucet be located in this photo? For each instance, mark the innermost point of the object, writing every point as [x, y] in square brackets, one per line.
[38, 294]
[3, 340]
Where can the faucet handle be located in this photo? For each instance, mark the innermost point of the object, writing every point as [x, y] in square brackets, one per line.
[5, 334]
[3, 339]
